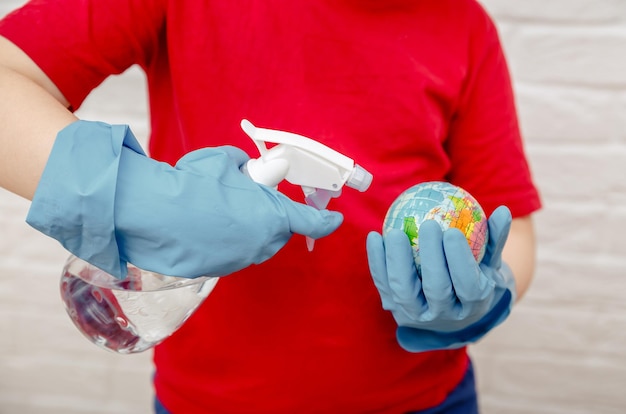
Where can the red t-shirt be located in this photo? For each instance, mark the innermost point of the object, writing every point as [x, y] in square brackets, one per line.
[411, 90]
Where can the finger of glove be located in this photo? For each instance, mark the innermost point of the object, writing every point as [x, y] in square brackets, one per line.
[499, 227]
[238, 156]
[378, 267]
[470, 285]
[219, 156]
[307, 220]
[436, 282]
[404, 283]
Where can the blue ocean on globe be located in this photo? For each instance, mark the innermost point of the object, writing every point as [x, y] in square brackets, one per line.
[449, 205]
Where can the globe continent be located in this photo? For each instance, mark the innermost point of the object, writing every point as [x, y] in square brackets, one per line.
[449, 205]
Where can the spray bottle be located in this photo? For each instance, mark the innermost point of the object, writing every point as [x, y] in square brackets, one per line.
[136, 313]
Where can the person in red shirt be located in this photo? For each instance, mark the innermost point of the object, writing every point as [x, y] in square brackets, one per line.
[413, 91]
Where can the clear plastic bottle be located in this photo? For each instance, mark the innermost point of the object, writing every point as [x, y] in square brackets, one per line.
[130, 315]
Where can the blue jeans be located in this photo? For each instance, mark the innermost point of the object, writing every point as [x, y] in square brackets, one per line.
[462, 400]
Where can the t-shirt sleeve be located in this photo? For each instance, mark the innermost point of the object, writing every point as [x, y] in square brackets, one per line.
[78, 43]
[484, 144]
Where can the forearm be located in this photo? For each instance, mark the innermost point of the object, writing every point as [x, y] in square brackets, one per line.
[519, 253]
[32, 112]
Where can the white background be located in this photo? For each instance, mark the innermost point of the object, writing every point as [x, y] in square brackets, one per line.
[564, 348]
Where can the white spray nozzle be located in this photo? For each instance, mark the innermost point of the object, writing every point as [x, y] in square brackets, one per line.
[360, 179]
[301, 161]
[318, 169]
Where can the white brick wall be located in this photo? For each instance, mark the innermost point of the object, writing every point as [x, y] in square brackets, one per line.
[563, 350]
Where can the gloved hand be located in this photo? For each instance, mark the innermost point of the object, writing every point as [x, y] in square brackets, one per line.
[109, 204]
[453, 300]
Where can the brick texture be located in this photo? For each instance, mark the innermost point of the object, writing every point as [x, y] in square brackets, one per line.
[562, 351]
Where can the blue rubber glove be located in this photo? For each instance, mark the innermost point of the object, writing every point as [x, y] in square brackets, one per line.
[109, 204]
[454, 300]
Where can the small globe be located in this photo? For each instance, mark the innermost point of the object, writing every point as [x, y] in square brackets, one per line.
[449, 205]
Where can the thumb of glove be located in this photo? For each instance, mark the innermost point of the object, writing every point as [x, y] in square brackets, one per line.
[499, 226]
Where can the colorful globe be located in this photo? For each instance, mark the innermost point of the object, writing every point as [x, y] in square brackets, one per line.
[449, 205]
